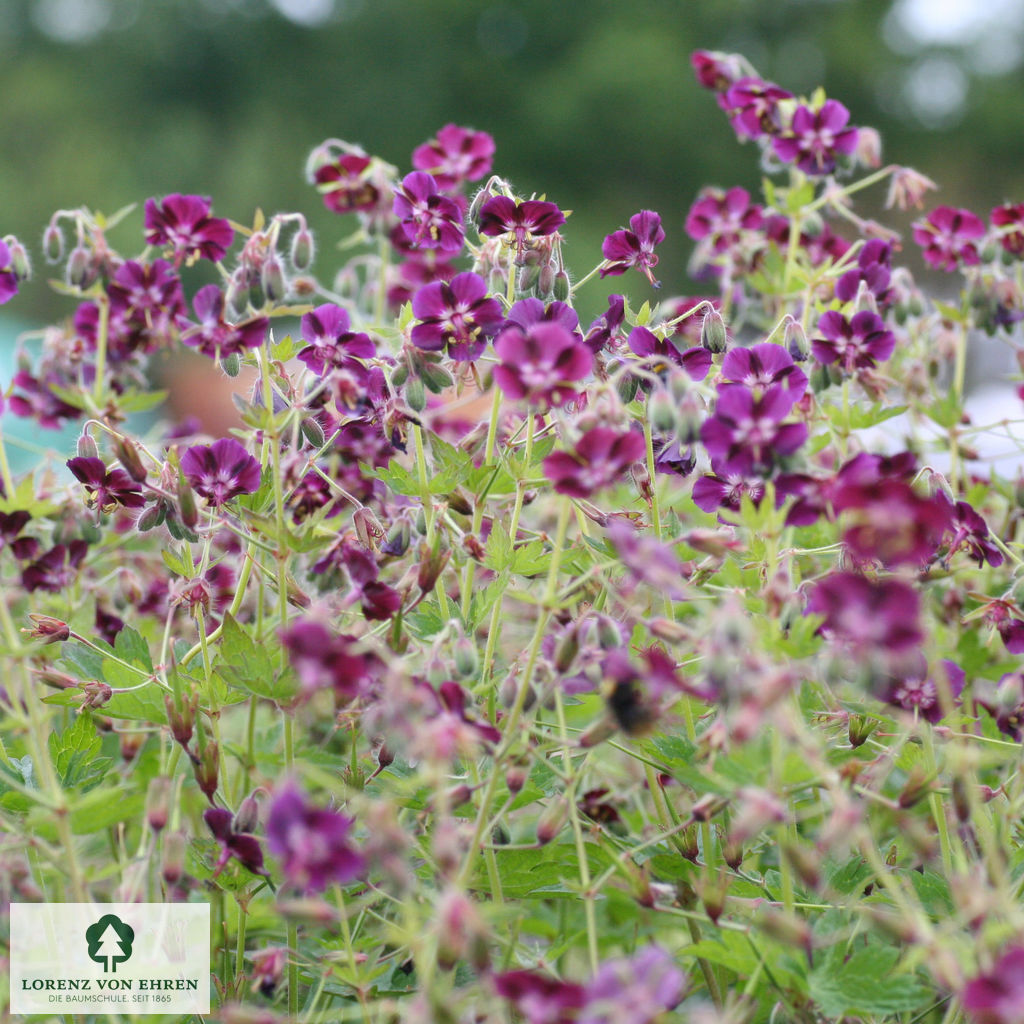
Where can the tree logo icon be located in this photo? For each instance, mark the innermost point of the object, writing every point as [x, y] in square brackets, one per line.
[110, 942]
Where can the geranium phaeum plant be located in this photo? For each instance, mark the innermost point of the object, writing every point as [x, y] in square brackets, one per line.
[492, 668]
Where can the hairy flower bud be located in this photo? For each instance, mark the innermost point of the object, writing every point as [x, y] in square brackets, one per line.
[181, 716]
[158, 795]
[303, 249]
[415, 394]
[231, 364]
[313, 432]
[661, 412]
[128, 455]
[552, 820]
[87, 447]
[713, 335]
[795, 340]
[247, 817]
[561, 288]
[48, 629]
[79, 268]
[53, 243]
[20, 263]
[207, 769]
[467, 659]
[272, 279]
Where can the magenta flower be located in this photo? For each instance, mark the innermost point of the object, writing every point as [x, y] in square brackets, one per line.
[605, 328]
[55, 570]
[855, 344]
[873, 270]
[331, 344]
[763, 366]
[970, 532]
[312, 844]
[719, 218]
[457, 315]
[948, 237]
[107, 489]
[889, 522]
[919, 694]
[746, 430]
[816, 137]
[221, 471]
[1008, 220]
[634, 990]
[542, 363]
[36, 400]
[323, 659]
[600, 459]
[429, 220]
[715, 70]
[185, 224]
[725, 487]
[8, 278]
[346, 184]
[997, 996]
[635, 247]
[541, 999]
[243, 847]
[455, 155]
[753, 107]
[213, 335]
[527, 312]
[504, 216]
[663, 353]
[868, 615]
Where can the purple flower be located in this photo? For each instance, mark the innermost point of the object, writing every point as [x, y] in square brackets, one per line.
[539, 998]
[38, 401]
[696, 361]
[635, 247]
[715, 70]
[997, 996]
[873, 269]
[503, 216]
[855, 344]
[213, 335]
[600, 459]
[107, 489]
[719, 218]
[948, 237]
[605, 327]
[243, 847]
[970, 531]
[725, 487]
[323, 659]
[8, 278]
[221, 471]
[184, 223]
[1008, 219]
[346, 184]
[455, 155]
[868, 615]
[753, 107]
[634, 990]
[763, 366]
[55, 570]
[542, 363]
[429, 220]
[458, 315]
[815, 138]
[312, 844]
[917, 693]
[331, 344]
[747, 431]
[527, 312]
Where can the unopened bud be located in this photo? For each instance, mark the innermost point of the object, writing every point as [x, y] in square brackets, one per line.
[707, 807]
[796, 342]
[567, 648]
[528, 277]
[173, 860]
[785, 926]
[53, 244]
[272, 279]
[467, 659]
[368, 527]
[918, 786]
[869, 147]
[821, 380]
[859, 728]
[562, 288]
[20, 263]
[48, 629]
[181, 718]
[313, 432]
[661, 412]
[415, 394]
[713, 335]
[303, 249]
[712, 895]
[78, 270]
[248, 815]
[231, 364]
[151, 517]
[604, 728]
[187, 503]
[87, 447]
[552, 820]
[128, 455]
[516, 776]
[158, 795]
[626, 386]
[431, 566]
[207, 769]
[546, 281]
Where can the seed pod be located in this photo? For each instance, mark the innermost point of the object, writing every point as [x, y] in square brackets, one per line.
[859, 728]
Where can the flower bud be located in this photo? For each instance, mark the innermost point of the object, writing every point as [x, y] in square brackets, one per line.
[561, 288]
[247, 817]
[96, 695]
[79, 268]
[303, 249]
[918, 786]
[467, 659]
[567, 647]
[796, 343]
[53, 244]
[431, 566]
[272, 279]
[151, 517]
[158, 795]
[173, 860]
[415, 394]
[187, 503]
[546, 281]
[859, 728]
[48, 629]
[604, 728]
[20, 264]
[869, 147]
[181, 718]
[661, 412]
[128, 455]
[231, 364]
[528, 277]
[712, 895]
[516, 776]
[398, 538]
[785, 926]
[713, 335]
[87, 447]
[552, 820]
[821, 380]
[313, 432]
[626, 386]
[207, 769]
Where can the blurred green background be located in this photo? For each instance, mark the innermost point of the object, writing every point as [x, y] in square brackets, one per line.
[107, 102]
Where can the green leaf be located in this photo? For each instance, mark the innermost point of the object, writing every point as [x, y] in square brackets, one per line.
[498, 553]
[946, 411]
[140, 401]
[864, 983]
[251, 667]
[74, 753]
